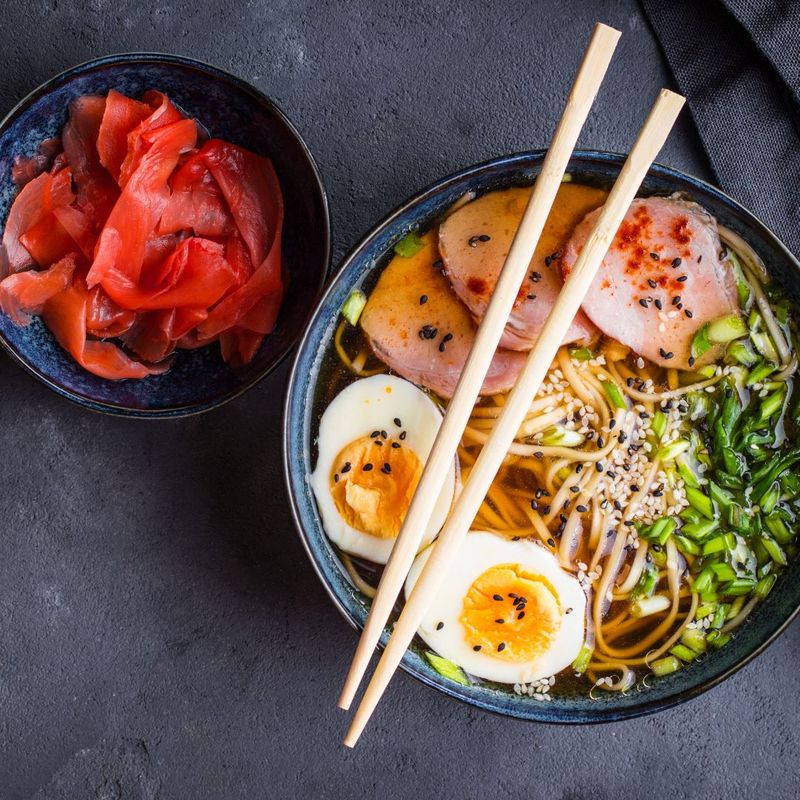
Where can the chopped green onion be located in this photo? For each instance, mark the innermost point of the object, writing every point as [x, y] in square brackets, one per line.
[722, 498]
[705, 610]
[658, 424]
[757, 375]
[719, 544]
[660, 530]
[736, 606]
[683, 653]
[723, 571]
[409, 245]
[581, 353]
[353, 306]
[687, 546]
[763, 343]
[700, 342]
[764, 586]
[686, 472]
[447, 669]
[665, 666]
[704, 581]
[770, 404]
[740, 586]
[699, 530]
[720, 615]
[559, 436]
[647, 582]
[777, 527]
[581, 663]
[741, 352]
[672, 450]
[700, 501]
[614, 394]
[694, 639]
[726, 329]
[718, 639]
[774, 550]
[737, 519]
[770, 498]
[645, 606]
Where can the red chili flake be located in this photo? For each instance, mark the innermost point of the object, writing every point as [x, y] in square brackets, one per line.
[477, 285]
[680, 230]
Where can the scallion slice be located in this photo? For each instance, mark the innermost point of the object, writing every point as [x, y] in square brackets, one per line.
[614, 394]
[409, 245]
[353, 306]
[447, 669]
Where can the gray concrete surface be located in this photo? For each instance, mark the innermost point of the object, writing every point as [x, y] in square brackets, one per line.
[161, 632]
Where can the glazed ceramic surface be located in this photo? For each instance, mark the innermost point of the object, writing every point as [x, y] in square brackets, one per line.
[303, 408]
[230, 109]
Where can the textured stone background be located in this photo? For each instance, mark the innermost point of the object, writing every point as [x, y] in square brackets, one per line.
[162, 634]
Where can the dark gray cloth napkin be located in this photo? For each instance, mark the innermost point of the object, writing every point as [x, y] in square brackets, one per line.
[738, 63]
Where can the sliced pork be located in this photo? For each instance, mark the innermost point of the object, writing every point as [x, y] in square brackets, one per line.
[663, 277]
[475, 240]
[419, 328]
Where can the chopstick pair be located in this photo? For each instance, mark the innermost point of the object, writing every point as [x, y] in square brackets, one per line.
[650, 140]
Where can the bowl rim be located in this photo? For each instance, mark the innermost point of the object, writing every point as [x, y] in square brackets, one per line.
[602, 714]
[154, 57]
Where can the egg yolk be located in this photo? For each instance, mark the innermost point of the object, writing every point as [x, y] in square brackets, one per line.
[372, 483]
[511, 612]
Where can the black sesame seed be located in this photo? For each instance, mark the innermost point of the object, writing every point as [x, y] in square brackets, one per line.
[629, 523]
[396, 445]
[515, 538]
[635, 487]
[428, 332]
[473, 241]
[574, 489]
[476, 648]
[538, 454]
[447, 337]
[659, 304]
[423, 298]
[513, 596]
[531, 296]
[387, 468]
[545, 510]
[643, 303]
[347, 467]
[534, 504]
[500, 621]
[377, 442]
[629, 382]
[692, 359]
[688, 313]
[568, 611]
[397, 422]
[551, 542]
[484, 237]
[579, 469]
[699, 258]
[367, 467]
[374, 434]
[520, 615]
[658, 493]
[536, 276]
[611, 474]
[563, 517]
[403, 435]
[655, 256]
[581, 509]
[497, 597]
[604, 505]
[676, 299]
[439, 626]
[384, 435]
[612, 424]
[336, 478]
[501, 647]
[599, 466]
[676, 262]
[683, 278]
[652, 283]
[600, 442]
[618, 505]
[438, 264]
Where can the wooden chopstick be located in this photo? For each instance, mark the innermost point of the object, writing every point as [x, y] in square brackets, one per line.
[587, 82]
[649, 142]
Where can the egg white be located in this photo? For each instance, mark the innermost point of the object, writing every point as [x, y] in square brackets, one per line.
[480, 551]
[362, 407]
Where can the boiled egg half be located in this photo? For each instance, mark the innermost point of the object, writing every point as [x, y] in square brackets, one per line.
[373, 441]
[506, 612]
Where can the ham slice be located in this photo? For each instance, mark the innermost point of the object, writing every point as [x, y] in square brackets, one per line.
[475, 240]
[666, 253]
[411, 336]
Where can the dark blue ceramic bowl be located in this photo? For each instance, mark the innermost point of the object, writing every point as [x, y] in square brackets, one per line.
[230, 109]
[304, 406]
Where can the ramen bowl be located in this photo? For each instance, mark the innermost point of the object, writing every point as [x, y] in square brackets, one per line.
[307, 394]
[228, 108]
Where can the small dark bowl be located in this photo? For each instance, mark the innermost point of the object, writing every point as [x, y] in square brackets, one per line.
[230, 109]
[304, 406]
